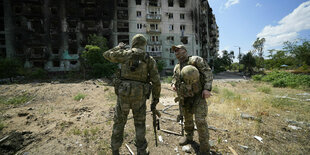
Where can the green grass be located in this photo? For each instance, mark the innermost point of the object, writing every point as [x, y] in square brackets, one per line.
[2, 126]
[264, 89]
[15, 100]
[285, 79]
[79, 96]
[167, 79]
[76, 131]
[227, 94]
[215, 89]
[232, 83]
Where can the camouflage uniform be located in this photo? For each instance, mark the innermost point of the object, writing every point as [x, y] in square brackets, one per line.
[193, 103]
[138, 78]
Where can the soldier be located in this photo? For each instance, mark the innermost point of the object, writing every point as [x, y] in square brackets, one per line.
[192, 80]
[138, 77]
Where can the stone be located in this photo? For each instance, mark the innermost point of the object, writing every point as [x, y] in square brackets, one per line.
[186, 148]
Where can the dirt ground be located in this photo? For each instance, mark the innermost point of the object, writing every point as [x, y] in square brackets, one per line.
[53, 122]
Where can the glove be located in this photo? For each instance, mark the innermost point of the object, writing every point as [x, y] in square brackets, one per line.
[154, 103]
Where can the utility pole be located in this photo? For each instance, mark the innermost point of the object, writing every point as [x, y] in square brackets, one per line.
[239, 57]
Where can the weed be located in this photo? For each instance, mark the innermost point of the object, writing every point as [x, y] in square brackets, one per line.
[2, 126]
[228, 94]
[85, 132]
[167, 79]
[215, 89]
[79, 96]
[266, 90]
[232, 83]
[94, 131]
[106, 89]
[76, 131]
[16, 100]
[281, 102]
[111, 96]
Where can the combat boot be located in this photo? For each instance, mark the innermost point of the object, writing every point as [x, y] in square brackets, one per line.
[185, 140]
[142, 152]
[115, 152]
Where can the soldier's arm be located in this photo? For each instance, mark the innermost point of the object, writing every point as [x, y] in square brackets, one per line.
[154, 78]
[205, 71]
[117, 55]
[174, 78]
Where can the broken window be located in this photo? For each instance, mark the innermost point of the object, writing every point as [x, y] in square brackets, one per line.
[122, 14]
[138, 2]
[122, 27]
[171, 62]
[154, 26]
[170, 38]
[72, 23]
[123, 38]
[170, 3]
[56, 63]
[182, 3]
[153, 3]
[73, 62]
[55, 51]
[19, 51]
[184, 40]
[73, 48]
[37, 25]
[170, 15]
[38, 64]
[122, 3]
[182, 27]
[182, 16]
[18, 10]
[18, 37]
[139, 14]
[36, 10]
[154, 38]
[89, 12]
[2, 52]
[139, 26]
[171, 27]
[54, 11]
[72, 36]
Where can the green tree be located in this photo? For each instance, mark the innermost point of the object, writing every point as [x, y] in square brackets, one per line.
[299, 50]
[249, 62]
[258, 46]
[9, 68]
[93, 61]
[222, 63]
[160, 65]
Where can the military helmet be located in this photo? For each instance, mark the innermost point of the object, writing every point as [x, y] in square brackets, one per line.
[190, 74]
[138, 41]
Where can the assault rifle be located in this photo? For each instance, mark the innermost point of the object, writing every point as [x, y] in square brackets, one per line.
[155, 114]
[180, 117]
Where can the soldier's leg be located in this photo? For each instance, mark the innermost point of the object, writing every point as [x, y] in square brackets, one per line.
[139, 115]
[188, 122]
[201, 110]
[120, 118]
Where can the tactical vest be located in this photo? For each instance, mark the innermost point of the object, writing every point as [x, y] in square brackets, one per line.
[183, 89]
[136, 68]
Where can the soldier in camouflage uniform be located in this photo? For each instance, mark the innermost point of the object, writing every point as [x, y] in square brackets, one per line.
[138, 78]
[191, 96]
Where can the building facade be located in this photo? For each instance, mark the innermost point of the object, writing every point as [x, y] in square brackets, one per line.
[51, 34]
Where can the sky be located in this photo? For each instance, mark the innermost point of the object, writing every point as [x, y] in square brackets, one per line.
[240, 22]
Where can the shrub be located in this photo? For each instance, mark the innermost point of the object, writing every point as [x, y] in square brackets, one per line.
[79, 96]
[167, 79]
[279, 83]
[266, 90]
[16, 99]
[9, 68]
[257, 77]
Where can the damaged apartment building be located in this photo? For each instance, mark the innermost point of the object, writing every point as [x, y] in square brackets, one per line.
[51, 34]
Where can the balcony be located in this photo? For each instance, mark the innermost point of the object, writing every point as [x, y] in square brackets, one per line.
[155, 54]
[153, 17]
[149, 42]
[149, 30]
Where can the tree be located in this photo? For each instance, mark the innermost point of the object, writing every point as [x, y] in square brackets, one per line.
[249, 62]
[224, 62]
[160, 65]
[92, 58]
[258, 46]
[9, 68]
[299, 50]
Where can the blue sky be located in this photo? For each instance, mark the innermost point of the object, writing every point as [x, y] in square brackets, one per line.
[242, 21]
